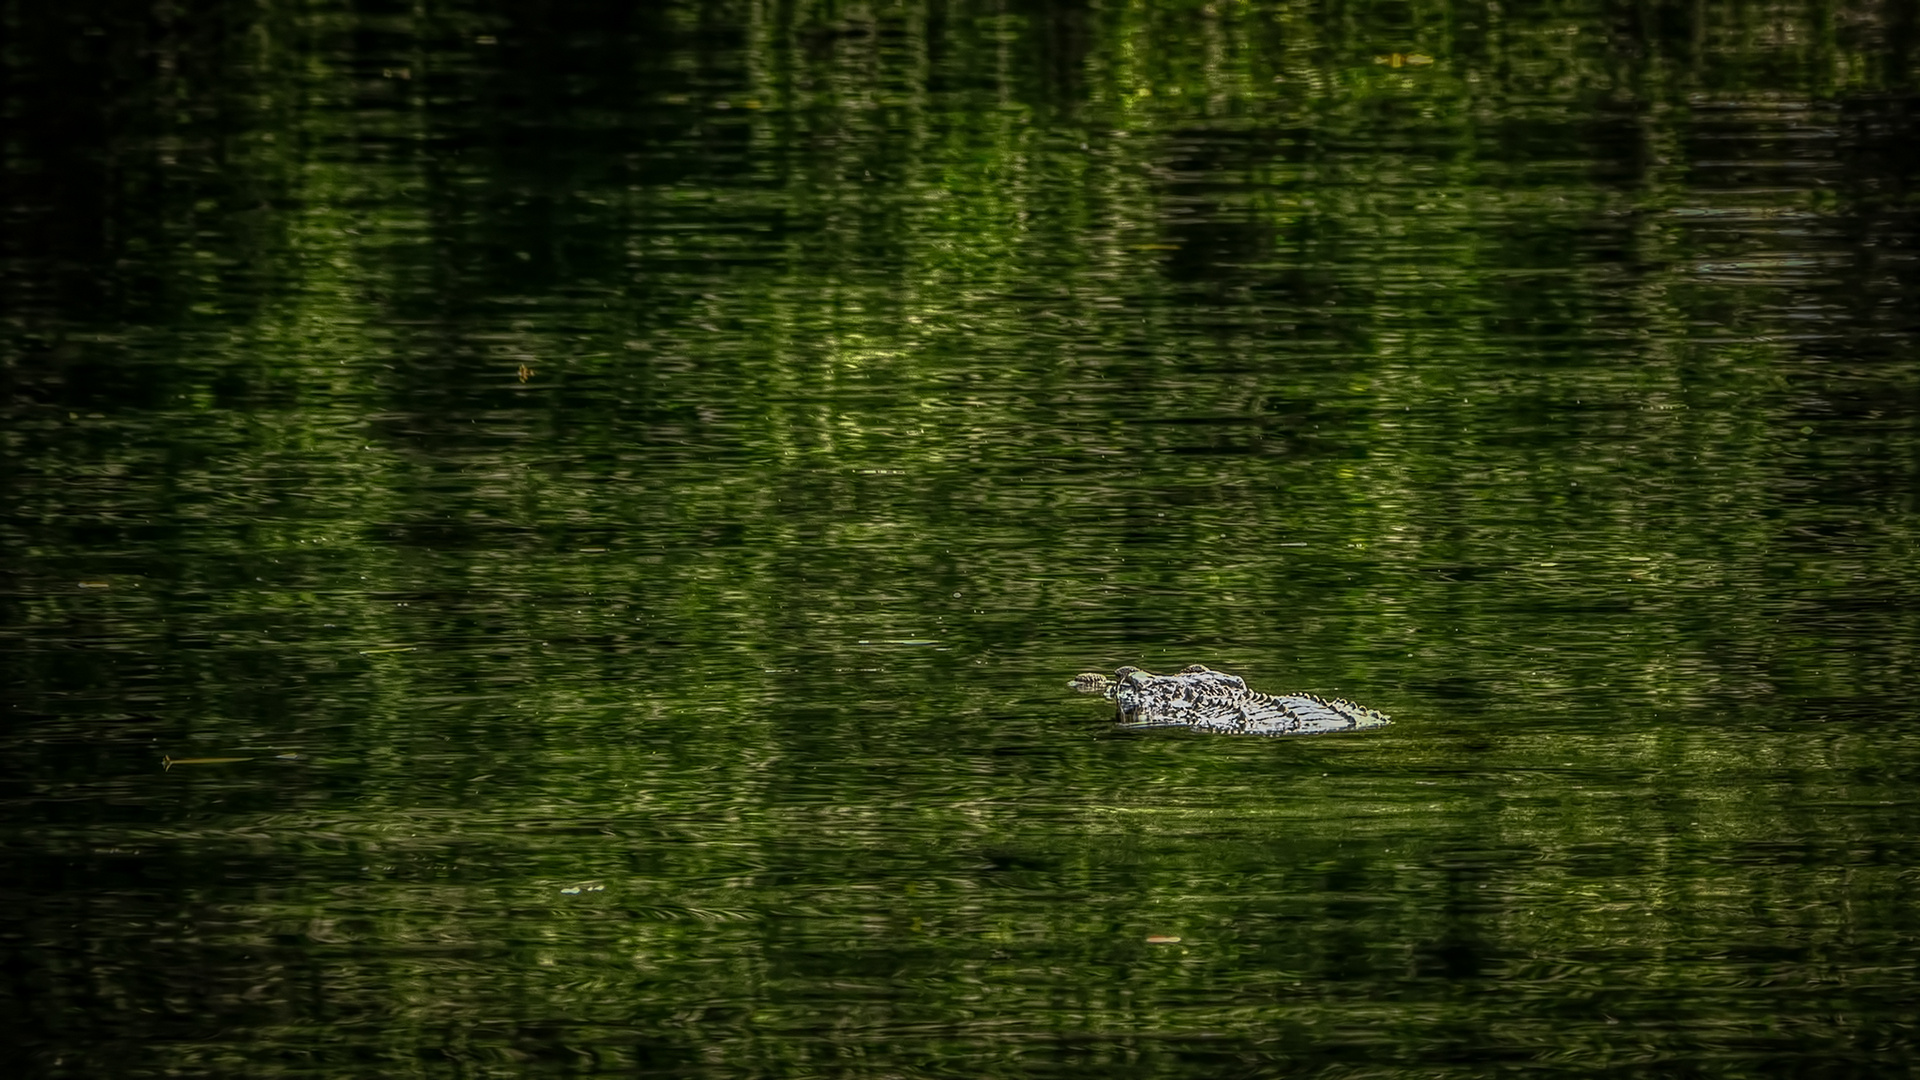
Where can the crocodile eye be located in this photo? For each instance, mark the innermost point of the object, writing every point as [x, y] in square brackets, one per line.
[1124, 672]
[1196, 669]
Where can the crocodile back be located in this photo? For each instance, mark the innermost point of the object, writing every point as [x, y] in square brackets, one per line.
[1251, 713]
[1207, 700]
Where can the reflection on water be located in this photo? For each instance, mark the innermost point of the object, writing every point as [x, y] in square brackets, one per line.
[558, 546]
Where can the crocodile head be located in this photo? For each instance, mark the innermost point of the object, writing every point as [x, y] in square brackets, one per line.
[1092, 682]
[1125, 679]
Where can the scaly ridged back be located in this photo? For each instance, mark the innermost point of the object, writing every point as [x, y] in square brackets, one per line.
[1207, 700]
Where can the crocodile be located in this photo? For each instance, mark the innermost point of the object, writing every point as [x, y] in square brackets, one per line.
[1208, 700]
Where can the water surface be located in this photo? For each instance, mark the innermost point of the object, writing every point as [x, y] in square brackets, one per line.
[552, 542]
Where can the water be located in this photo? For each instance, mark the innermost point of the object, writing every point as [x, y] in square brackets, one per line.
[558, 547]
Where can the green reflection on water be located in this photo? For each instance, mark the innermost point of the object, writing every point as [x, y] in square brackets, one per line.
[631, 492]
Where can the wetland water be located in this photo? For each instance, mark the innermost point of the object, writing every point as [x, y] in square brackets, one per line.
[554, 540]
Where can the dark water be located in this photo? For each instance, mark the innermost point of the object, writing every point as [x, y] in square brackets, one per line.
[551, 539]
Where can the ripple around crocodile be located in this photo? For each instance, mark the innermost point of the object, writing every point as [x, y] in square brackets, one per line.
[1207, 700]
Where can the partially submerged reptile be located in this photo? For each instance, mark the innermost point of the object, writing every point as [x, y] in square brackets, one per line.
[1209, 700]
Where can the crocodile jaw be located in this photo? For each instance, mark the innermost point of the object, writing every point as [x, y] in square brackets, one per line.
[1092, 682]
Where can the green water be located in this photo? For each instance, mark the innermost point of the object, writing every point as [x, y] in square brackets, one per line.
[553, 540]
